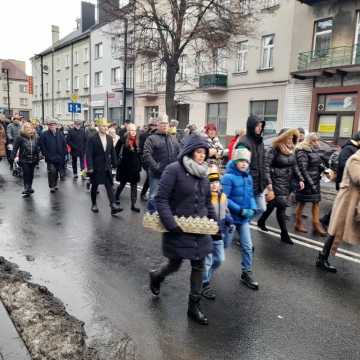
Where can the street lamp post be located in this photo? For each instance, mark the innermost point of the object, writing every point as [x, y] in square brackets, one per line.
[42, 90]
[125, 66]
[6, 71]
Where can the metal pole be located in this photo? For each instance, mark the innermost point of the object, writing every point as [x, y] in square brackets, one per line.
[8, 89]
[125, 68]
[42, 90]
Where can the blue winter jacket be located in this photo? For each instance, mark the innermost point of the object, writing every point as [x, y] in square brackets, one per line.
[238, 187]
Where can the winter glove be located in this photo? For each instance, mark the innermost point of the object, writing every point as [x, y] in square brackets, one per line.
[177, 230]
[247, 213]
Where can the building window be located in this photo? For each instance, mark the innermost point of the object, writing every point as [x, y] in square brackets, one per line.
[267, 52]
[217, 114]
[67, 60]
[23, 102]
[58, 108]
[58, 63]
[151, 112]
[266, 110]
[47, 88]
[130, 76]
[142, 73]
[76, 83]
[67, 83]
[322, 37]
[99, 78]
[22, 88]
[76, 58]
[5, 100]
[86, 54]
[98, 51]
[162, 73]
[182, 74]
[86, 81]
[219, 63]
[242, 55]
[58, 85]
[116, 75]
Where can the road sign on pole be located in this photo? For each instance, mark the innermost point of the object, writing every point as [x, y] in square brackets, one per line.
[74, 98]
[74, 107]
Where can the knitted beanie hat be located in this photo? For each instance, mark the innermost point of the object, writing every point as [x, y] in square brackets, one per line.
[241, 154]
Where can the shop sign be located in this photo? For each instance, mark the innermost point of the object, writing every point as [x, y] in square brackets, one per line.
[341, 102]
[327, 128]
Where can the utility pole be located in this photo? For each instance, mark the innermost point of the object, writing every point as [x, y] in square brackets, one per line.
[125, 66]
[42, 90]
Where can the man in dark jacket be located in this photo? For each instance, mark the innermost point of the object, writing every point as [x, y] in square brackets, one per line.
[253, 140]
[12, 132]
[160, 150]
[101, 159]
[76, 140]
[53, 147]
[349, 149]
[142, 138]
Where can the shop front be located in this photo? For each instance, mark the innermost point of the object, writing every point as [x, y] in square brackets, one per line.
[335, 113]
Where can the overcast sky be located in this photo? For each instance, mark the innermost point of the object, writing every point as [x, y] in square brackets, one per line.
[25, 25]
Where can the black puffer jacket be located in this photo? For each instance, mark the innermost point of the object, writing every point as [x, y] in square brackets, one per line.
[349, 149]
[281, 170]
[255, 144]
[183, 194]
[29, 149]
[76, 139]
[311, 166]
[160, 150]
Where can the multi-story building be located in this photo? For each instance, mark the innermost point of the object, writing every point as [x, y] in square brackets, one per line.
[64, 72]
[18, 96]
[331, 61]
[107, 59]
[254, 77]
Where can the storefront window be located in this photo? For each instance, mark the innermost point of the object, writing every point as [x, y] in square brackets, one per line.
[327, 125]
[346, 126]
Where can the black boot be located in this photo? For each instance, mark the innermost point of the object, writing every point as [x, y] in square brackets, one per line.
[322, 262]
[94, 208]
[286, 238]
[194, 310]
[134, 198]
[155, 282]
[249, 281]
[115, 209]
[261, 225]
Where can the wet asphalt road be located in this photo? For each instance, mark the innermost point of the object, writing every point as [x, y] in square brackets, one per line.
[98, 266]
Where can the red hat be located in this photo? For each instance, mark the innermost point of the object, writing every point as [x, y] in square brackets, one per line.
[209, 127]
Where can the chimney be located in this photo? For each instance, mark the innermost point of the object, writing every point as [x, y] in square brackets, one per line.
[55, 31]
[107, 10]
[87, 16]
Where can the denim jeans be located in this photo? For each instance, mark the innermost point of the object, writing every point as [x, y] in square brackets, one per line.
[261, 203]
[153, 189]
[228, 235]
[214, 260]
[246, 246]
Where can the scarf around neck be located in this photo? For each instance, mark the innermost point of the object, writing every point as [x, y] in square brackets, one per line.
[194, 168]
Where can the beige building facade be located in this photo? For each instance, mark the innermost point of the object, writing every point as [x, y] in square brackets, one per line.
[254, 77]
[19, 93]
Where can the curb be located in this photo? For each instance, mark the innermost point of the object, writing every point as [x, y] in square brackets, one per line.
[12, 346]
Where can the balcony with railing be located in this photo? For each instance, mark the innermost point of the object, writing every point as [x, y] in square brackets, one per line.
[148, 89]
[344, 59]
[213, 82]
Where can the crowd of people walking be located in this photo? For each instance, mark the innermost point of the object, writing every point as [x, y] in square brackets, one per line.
[196, 176]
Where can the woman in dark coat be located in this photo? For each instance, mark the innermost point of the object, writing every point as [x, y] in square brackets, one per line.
[280, 170]
[311, 167]
[29, 155]
[129, 165]
[185, 191]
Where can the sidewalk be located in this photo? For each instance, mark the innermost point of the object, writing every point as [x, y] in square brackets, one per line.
[11, 345]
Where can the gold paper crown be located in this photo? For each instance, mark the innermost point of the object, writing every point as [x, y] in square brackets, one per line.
[102, 122]
[197, 225]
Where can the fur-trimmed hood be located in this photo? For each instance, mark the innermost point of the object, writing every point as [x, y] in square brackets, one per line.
[282, 138]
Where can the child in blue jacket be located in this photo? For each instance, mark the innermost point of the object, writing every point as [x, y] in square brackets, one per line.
[237, 184]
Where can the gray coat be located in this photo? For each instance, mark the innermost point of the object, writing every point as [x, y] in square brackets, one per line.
[12, 132]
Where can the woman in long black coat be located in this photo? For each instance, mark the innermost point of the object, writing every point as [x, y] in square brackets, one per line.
[29, 155]
[129, 165]
[185, 191]
[311, 167]
[280, 170]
